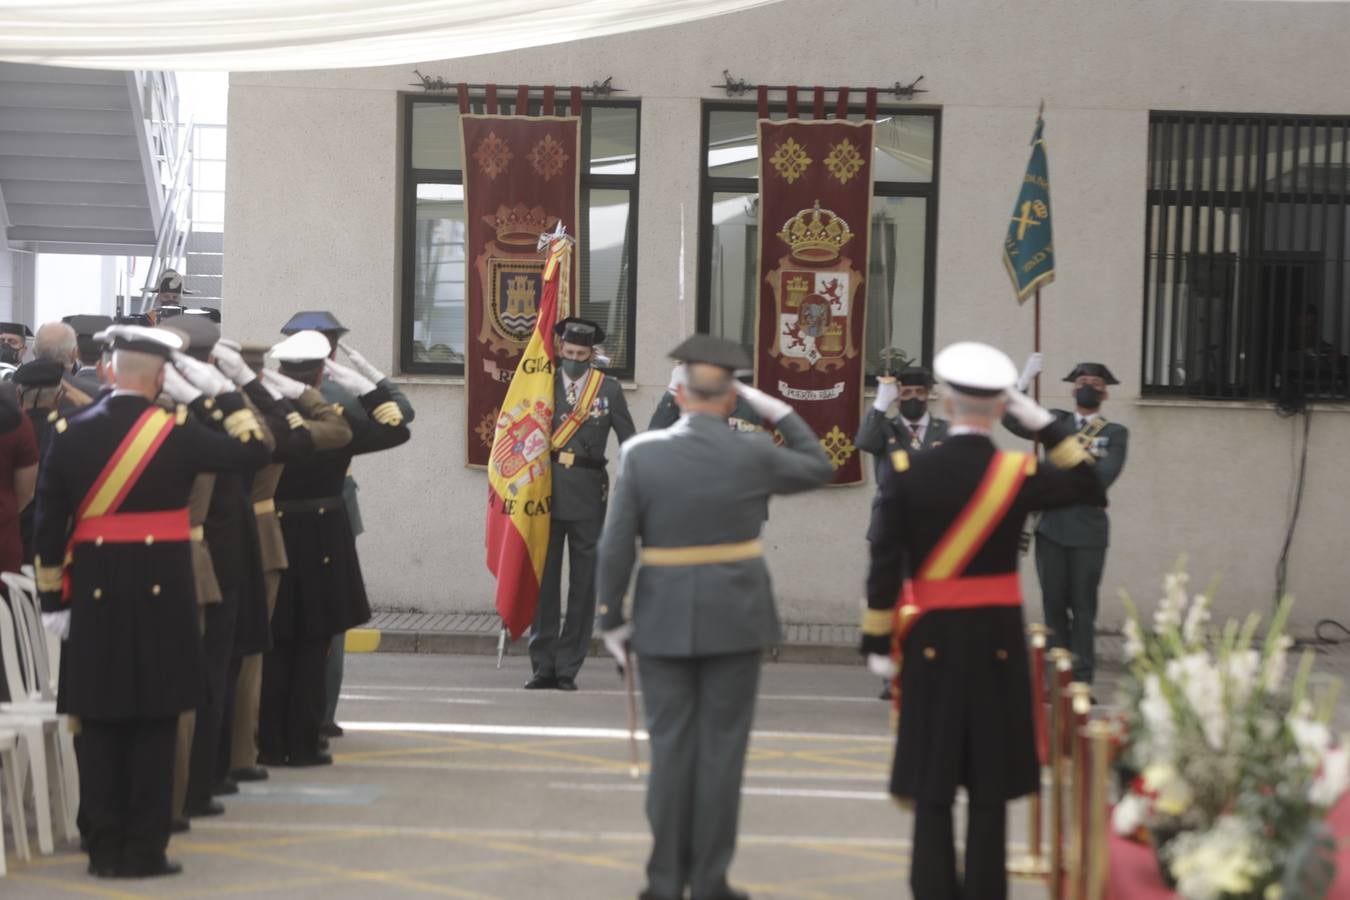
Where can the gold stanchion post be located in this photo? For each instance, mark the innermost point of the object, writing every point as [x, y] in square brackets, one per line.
[1034, 864]
[1059, 730]
[1097, 857]
[1080, 696]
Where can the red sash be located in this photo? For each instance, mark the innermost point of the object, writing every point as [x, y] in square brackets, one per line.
[97, 519]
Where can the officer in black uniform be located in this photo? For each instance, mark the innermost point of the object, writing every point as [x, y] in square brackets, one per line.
[322, 592]
[127, 607]
[965, 705]
[89, 350]
[328, 325]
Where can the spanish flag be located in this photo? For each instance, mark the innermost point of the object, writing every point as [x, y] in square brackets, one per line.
[520, 483]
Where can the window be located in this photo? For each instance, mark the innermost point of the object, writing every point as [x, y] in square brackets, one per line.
[434, 278]
[1245, 273]
[904, 227]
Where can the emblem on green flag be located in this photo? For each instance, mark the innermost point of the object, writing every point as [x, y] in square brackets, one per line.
[1029, 247]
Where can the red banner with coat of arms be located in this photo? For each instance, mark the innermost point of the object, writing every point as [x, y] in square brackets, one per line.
[815, 208]
[521, 176]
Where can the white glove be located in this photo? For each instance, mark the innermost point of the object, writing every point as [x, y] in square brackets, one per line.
[616, 642]
[232, 364]
[177, 387]
[677, 377]
[284, 385]
[1028, 413]
[888, 391]
[361, 364]
[1035, 363]
[207, 379]
[881, 666]
[770, 409]
[347, 378]
[57, 624]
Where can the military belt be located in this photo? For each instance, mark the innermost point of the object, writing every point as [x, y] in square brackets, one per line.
[703, 555]
[967, 592]
[318, 505]
[568, 460]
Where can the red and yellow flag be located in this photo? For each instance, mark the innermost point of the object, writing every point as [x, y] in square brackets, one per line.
[520, 483]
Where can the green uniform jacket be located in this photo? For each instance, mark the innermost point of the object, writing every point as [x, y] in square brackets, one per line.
[354, 411]
[580, 493]
[742, 418]
[1084, 526]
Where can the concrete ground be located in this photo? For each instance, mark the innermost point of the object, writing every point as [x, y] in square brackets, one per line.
[452, 781]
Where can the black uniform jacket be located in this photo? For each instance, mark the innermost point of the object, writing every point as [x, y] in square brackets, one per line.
[965, 713]
[322, 592]
[134, 649]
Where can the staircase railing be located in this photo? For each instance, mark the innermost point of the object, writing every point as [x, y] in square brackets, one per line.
[166, 148]
[175, 223]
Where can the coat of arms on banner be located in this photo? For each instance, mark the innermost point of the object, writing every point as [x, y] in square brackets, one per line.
[523, 457]
[511, 272]
[813, 290]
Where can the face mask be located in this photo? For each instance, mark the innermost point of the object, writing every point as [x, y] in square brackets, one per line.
[575, 368]
[10, 355]
[913, 408]
[1087, 396]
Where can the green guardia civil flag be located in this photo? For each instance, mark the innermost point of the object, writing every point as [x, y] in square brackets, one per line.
[1029, 248]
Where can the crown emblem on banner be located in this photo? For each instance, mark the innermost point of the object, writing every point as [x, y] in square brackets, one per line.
[520, 225]
[815, 235]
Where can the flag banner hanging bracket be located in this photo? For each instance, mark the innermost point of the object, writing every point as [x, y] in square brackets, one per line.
[438, 85]
[739, 87]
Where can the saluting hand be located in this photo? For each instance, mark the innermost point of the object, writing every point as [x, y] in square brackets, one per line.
[207, 379]
[177, 387]
[232, 364]
[677, 377]
[350, 379]
[770, 409]
[284, 385]
[361, 364]
[1028, 413]
[888, 391]
[1034, 365]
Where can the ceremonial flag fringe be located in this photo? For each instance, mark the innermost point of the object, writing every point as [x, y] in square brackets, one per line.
[1029, 247]
[520, 179]
[520, 482]
[815, 227]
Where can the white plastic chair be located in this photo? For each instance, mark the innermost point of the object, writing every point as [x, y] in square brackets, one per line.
[39, 733]
[11, 789]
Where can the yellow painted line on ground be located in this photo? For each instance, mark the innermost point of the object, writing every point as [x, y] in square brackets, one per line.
[90, 888]
[47, 862]
[558, 856]
[362, 640]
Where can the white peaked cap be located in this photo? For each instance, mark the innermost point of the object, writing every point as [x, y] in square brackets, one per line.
[974, 368]
[302, 347]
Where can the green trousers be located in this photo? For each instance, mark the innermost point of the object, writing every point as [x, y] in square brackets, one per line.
[1070, 577]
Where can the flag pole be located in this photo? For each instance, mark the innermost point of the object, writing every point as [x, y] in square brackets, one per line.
[632, 713]
[1036, 346]
[501, 645]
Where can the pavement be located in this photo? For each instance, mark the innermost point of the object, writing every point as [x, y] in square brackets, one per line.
[452, 781]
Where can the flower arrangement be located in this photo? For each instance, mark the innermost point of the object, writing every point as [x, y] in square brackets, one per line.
[1236, 765]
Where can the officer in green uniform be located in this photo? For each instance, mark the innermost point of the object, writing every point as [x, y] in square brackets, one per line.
[1071, 542]
[587, 406]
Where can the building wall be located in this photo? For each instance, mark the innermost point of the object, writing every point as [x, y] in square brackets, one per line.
[312, 222]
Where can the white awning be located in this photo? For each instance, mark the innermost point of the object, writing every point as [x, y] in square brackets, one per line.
[240, 35]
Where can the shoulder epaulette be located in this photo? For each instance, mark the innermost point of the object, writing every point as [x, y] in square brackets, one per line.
[61, 426]
[899, 460]
[180, 414]
[53, 415]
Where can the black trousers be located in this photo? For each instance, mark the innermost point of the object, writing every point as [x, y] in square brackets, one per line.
[932, 874]
[225, 750]
[293, 697]
[126, 789]
[217, 642]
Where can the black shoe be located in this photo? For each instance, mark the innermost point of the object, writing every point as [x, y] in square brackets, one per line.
[323, 743]
[566, 683]
[180, 825]
[272, 761]
[332, 730]
[227, 787]
[885, 690]
[153, 870]
[541, 683]
[318, 759]
[102, 870]
[248, 773]
[728, 894]
[210, 808]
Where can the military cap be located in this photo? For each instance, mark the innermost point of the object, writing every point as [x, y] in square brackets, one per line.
[200, 334]
[18, 328]
[208, 311]
[171, 282]
[139, 339]
[170, 310]
[132, 319]
[979, 370]
[303, 353]
[915, 376]
[712, 351]
[85, 328]
[321, 321]
[254, 354]
[581, 332]
[1092, 370]
[39, 373]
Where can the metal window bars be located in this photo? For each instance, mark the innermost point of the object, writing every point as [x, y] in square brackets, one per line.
[1247, 245]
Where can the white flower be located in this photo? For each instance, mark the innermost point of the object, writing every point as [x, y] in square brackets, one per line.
[1160, 730]
[1173, 603]
[1134, 639]
[1129, 814]
[1332, 779]
[1172, 794]
[1202, 685]
[1212, 864]
[1275, 666]
[1311, 736]
[1196, 620]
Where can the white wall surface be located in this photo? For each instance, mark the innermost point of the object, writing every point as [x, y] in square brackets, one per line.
[312, 222]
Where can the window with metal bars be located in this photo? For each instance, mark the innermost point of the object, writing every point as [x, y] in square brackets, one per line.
[1247, 260]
